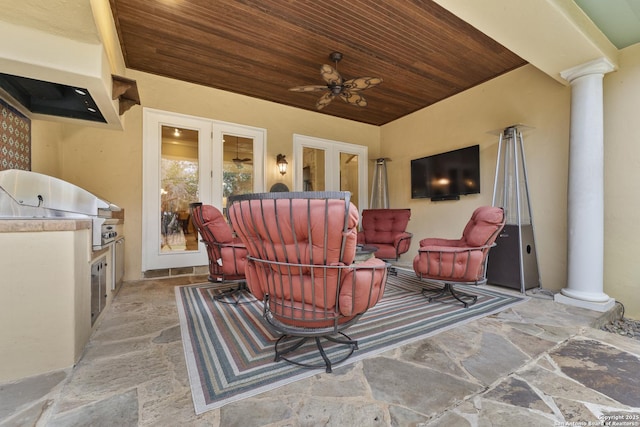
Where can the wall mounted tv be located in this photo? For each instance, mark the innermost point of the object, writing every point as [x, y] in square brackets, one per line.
[446, 176]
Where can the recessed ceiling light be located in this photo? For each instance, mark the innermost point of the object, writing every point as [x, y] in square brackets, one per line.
[80, 92]
[91, 110]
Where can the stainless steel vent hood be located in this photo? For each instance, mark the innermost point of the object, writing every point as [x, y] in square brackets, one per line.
[52, 99]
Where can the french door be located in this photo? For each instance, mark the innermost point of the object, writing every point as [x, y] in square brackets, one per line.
[190, 159]
[325, 165]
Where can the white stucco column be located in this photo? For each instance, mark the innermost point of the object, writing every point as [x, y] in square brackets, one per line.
[585, 209]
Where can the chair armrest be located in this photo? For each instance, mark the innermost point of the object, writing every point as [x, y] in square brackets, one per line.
[434, 241]
[236, 245]
[362, 286]
[402, 236]
[454, 249]
[402, 243]
[233, 258]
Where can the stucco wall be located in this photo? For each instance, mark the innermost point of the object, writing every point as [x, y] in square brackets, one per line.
[621, 182]
[109, 163]
[530, 97]
[46, 154]
[525, 96]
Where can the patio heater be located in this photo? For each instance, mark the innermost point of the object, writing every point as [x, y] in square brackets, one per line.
[513, 262]
[379, 189]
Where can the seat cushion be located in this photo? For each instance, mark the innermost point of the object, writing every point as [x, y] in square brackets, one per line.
[385, 251]
[457, 264]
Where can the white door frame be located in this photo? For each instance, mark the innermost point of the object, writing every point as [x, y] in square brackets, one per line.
[210, 156]
[332, 150]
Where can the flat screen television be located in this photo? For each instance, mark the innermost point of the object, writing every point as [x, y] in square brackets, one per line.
[446, 176]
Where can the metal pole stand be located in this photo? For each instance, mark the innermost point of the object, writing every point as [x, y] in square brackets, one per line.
[379, 188]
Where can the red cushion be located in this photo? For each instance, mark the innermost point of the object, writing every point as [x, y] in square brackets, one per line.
[461, 260]
[482, 226]
[449, 263]
[362, 288]
[227, 254]
[305, 243]
[295, 232]
[216, 224]
[383, 225]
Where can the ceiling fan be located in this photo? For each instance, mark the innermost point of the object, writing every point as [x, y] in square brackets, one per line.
[237, 160]
[347, 90]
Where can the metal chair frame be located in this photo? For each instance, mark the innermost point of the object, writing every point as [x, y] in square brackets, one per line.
[299, 322]
[409, 236]
[233, 295]
[447, 279]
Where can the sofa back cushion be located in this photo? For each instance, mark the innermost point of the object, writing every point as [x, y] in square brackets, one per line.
[384, 225]
[298, 234]
[299, 231]
[483, 227]
[213, 226]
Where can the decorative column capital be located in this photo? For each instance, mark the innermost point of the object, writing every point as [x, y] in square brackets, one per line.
[597, 66]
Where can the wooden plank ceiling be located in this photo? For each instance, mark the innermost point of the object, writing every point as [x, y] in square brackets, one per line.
[261, 48]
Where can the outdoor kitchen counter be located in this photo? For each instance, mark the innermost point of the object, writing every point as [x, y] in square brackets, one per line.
[45, 294]
[16, 225]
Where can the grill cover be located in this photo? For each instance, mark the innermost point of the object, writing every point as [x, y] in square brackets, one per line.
[26, 194]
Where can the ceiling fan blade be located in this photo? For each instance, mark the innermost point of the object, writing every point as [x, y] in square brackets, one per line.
[309, 88]
[324, 100]
[353, 98]
[330, 75]
[362, 83]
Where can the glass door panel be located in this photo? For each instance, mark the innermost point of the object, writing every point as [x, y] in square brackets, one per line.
[175, 172]
[179, 176]
[238, 173]
[313, 169]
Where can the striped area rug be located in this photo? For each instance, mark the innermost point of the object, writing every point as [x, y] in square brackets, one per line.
[230, 353]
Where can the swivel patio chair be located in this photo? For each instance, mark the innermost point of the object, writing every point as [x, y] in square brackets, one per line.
[301, 265]
[386, 229]
[227, 254]
[460, 261]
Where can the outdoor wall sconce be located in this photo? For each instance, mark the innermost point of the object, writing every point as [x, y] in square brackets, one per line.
[282, 164]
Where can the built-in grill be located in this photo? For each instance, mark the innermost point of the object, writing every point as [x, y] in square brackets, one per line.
[26, 194]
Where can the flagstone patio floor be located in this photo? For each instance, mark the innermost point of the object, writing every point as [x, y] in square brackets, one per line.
[539, 363]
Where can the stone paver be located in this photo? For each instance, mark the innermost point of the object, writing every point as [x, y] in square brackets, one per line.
[535, 364]
[29, 392]
[118, 410]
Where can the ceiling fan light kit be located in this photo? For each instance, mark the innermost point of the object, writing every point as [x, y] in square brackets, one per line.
[347, 90]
